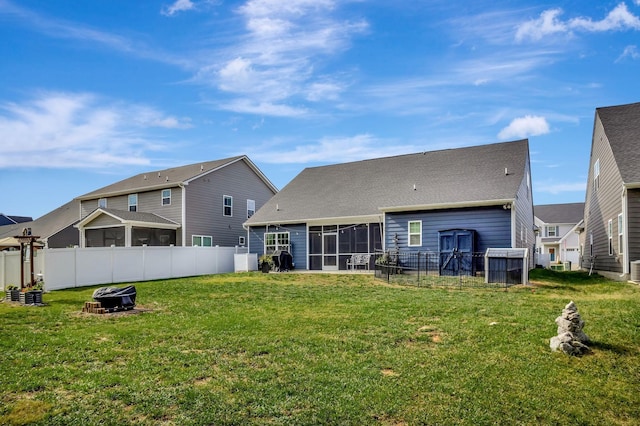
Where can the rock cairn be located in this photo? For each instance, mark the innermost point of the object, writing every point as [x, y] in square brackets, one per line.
[570, 339]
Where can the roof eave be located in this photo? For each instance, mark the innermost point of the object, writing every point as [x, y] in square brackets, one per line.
[441, 206]
[164, 185]
[334, 220]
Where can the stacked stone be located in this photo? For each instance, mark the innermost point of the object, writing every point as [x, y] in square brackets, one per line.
[570, 339]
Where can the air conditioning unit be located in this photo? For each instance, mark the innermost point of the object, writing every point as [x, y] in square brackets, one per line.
[635, 271]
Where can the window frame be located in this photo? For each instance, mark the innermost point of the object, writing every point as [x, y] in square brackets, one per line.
[610, 236]
[549, 228]
[102, 203]
[242, 241]
[251, 208]
[277, 241]
[413, 233]
[620, 234]
[202, 239]
[226, 206]
[133, 205]
[163, 197]
[596, 174]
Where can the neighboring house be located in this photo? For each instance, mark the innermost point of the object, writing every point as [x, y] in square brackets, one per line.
[55, 228]
[611, 236]
[12, 220]
[557, 239]
[202, 204]
[478, 196]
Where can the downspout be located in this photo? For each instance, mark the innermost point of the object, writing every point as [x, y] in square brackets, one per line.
[625, 224]
[184, 214]
[514, 229]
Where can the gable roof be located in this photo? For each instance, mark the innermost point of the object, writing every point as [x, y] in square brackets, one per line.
[6, 219]
[169, 178]
[48, 224]
[560, 213]
[622, 126]
[427, 180]
[125, 216]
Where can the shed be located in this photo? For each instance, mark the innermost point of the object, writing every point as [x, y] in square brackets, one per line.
[506, 265]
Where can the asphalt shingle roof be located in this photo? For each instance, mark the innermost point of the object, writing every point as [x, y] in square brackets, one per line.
[560, 213]
[48, 224]
[427, 179]
[622, 126]
[128, 216]
[159, 179]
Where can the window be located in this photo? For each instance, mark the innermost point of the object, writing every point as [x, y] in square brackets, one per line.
[133, 202]
[241, 241]
[552, 231]
[166, 197]
[227, 205]
[610, 235]
[596, 174]
[415, 233]
[620, 234]
[276, 241]
[591, 245]
[201, 240]
[102, 203]
[251, 208]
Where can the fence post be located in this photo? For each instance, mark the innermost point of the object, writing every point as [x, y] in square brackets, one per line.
[418, 269]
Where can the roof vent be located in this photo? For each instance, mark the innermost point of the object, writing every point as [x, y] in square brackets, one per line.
[506, 171]
[277, 207]
[201, 167]
[145, 177]
[158, 174]
[414, 186]
[167, 180]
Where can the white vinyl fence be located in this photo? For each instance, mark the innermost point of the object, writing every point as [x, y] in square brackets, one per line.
[78, 267]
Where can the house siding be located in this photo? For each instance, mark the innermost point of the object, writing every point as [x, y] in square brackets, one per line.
[68, 237]
[148, 202]
[492, 224]
[524, 235]
[603, 204]
[297, 238]
[633, 224]
[104, 220]
[204, 208]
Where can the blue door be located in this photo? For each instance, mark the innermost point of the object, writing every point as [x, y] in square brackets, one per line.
[456, 248]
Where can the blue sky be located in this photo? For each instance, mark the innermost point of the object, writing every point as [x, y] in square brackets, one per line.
[93, 92]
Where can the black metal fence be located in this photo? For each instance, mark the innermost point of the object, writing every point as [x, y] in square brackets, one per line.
[447, 269]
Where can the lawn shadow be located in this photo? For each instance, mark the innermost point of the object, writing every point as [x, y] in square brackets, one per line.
[619, 349]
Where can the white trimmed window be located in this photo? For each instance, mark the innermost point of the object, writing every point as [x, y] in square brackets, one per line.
[201, 240]
[596, 174]
[166, 197]
[241, 241]
[276, 241]
[415, 233]
[133, 202]
[227, 205]
[610, 235]
[552, 231]
[102, 203]
[251, 208]
[620, 234]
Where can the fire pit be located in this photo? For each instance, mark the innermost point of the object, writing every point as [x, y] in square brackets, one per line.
[114, 299]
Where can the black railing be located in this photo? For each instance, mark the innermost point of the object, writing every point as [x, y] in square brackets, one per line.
[446, 269]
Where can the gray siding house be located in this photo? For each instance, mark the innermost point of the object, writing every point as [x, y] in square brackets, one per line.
[611, 237]
[202, 204]
[557, 239]
[411, 202]
[55, 228]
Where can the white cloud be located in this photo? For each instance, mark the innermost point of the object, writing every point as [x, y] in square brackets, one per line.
[629, 52]
[248, 106]
[522, 127]
[274, 60]
[556, 188]
[546, 24]
[332, 149]
[178, 6]
[70, 130]
[620, 18]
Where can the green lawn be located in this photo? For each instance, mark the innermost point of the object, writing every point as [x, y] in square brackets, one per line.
[306, 349]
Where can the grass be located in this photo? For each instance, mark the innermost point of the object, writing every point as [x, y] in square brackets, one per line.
[306, 349]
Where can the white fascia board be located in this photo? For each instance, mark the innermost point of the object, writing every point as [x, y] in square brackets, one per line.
[480, 203]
